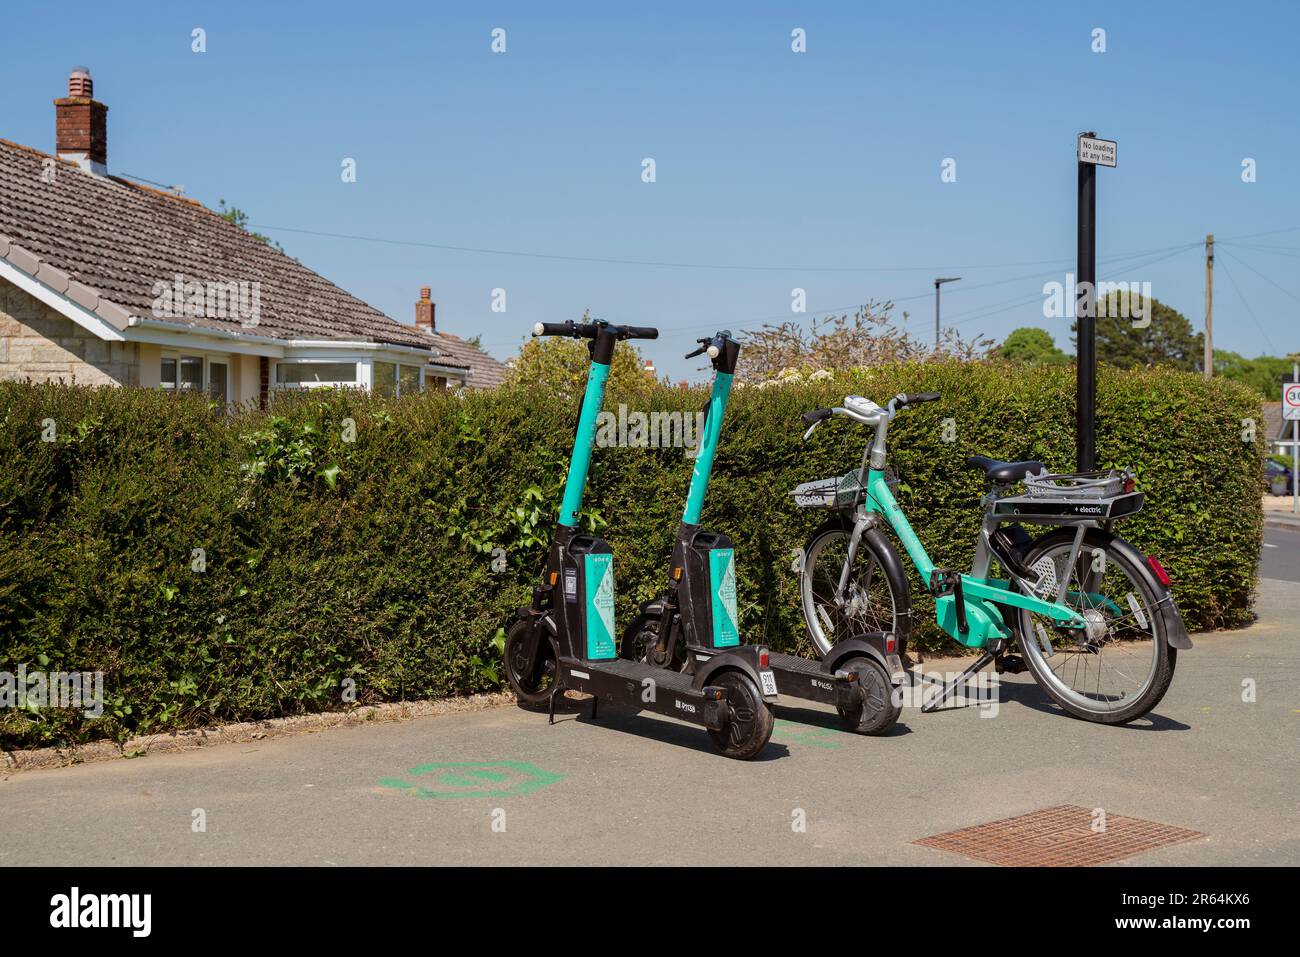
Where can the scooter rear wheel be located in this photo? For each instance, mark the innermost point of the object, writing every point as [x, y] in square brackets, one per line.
[876, 711]
[750, 727]
[531, 686]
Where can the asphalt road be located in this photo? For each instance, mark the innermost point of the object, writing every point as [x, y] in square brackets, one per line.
[501, 786]
[1280, 557]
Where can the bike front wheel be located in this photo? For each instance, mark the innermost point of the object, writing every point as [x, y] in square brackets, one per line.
[875, 595]
[1120, 665]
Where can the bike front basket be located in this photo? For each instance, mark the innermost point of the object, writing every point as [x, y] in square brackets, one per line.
[844, 491]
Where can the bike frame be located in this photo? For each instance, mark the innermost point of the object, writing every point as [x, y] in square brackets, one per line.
[980, 593]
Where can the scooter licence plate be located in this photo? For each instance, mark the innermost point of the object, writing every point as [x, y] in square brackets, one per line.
[769, 682]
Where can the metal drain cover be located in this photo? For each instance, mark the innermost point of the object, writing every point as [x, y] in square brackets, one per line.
[1060, 836]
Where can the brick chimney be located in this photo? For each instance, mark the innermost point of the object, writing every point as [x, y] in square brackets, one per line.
[424, 311]
[81, 124]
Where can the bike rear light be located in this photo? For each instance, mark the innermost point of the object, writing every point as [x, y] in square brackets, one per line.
[677, 574]
[890, 643]
[554, 576]
[1129, 485]
[1159, 569]
[764, 659]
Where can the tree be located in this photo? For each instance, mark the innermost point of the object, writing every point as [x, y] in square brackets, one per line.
[1031, 344]
[237, 217]
[832, 343]
[1263, 374]
[560, 365]
[1165, 340]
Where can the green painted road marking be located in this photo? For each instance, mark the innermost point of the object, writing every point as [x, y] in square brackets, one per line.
[474, 779]
[804, 734]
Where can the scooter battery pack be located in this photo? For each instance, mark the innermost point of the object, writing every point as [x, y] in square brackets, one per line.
[712, 566]
[588, 572]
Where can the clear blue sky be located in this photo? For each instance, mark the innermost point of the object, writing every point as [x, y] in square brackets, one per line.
[764, 157]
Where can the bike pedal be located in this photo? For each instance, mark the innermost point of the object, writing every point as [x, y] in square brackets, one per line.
[1009, 664]
[944, 581]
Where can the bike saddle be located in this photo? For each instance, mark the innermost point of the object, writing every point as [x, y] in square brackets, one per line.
[1004, 473]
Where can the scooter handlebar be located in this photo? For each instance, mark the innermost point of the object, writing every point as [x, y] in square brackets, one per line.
[590, 330]
[637, 332]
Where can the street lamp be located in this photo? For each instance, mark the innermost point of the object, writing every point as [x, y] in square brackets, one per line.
[937, 283]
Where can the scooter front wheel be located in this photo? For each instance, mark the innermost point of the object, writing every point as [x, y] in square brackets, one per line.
[751, 719]
[532, 684]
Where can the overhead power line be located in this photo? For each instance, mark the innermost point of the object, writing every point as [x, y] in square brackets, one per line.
[661, 264]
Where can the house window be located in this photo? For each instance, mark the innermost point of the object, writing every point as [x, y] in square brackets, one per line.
[219, 381]
[385, 378]
[315, 373]
[192, 373]
[410, 380]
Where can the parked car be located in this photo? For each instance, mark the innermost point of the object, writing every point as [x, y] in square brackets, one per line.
[1278, 479]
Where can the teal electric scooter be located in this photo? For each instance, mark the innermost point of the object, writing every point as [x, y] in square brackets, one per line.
[565, 640]
[696, 618]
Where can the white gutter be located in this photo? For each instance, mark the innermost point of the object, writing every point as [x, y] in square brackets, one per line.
[352, 345]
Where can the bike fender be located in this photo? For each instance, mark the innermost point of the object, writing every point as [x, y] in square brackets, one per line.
[1175, 630]
[888, 555]
[743, 659]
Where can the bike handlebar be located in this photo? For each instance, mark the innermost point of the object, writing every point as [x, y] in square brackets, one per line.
[590, 330]
[817, 415]
[903, 399]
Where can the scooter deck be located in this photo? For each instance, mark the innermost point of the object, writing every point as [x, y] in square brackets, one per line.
[638, 686]
[811, 679]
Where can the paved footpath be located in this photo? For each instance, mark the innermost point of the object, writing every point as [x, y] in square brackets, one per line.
[500, 786]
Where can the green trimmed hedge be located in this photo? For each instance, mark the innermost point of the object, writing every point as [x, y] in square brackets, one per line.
[373, 559]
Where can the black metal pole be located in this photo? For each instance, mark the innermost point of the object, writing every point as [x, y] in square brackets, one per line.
[936, 315]
[1085, 316]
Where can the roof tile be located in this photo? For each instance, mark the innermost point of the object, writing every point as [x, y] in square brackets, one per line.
[118, 239]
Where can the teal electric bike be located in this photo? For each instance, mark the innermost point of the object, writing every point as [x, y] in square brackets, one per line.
[696, 619]
[565, 639]
[1087, 613]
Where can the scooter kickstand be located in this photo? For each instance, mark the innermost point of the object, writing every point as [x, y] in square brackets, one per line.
[550, 705]
[930, 707]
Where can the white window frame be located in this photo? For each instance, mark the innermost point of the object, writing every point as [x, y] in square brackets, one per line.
[361, 380]
[207, 358]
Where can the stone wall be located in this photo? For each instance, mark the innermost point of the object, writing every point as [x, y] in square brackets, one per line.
[38, 343]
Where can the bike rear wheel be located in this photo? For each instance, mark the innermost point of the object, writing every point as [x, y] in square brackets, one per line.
[1120, 666]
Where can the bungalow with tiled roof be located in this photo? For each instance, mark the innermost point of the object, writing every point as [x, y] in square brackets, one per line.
[104, 281]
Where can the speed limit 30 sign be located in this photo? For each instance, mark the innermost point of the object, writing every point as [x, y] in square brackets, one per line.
[1291, 400]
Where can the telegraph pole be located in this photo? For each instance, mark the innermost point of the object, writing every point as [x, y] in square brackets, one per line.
[1209, 306]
